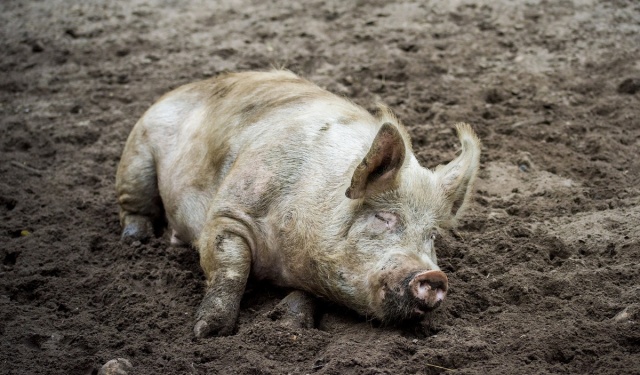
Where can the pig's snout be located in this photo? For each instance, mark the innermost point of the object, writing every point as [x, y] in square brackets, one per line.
[414, 296]
[429, 289]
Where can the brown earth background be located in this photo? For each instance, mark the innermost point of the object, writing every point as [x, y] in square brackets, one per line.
[544, 270]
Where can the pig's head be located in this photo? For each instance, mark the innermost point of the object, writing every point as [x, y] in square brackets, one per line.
[397, 208]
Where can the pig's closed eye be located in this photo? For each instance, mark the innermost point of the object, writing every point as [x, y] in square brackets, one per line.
[379, 217]
[390, 220]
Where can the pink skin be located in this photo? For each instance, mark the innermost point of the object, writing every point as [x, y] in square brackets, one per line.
[429, 288]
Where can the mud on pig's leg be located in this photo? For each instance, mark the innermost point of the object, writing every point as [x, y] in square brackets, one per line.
[225, 258]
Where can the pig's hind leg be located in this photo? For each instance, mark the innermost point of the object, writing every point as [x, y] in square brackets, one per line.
[225, 258]
[137, 190]
[296, 310]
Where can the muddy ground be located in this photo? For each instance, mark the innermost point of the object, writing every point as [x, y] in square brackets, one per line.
[544, 270]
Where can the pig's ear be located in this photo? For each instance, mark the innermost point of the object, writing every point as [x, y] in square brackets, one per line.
[379, 169]
[457, 177]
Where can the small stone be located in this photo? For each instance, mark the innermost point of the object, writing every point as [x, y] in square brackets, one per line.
[525, 164]
[628, 313]
[120, 366]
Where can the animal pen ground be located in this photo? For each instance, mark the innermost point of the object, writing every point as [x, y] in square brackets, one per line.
[544, 270]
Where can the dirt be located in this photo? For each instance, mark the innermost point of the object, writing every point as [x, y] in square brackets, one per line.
[544, 270]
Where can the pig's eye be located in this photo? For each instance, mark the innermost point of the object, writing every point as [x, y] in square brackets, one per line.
[390, 220]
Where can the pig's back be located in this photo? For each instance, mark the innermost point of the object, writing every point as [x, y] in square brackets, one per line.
[245, 139]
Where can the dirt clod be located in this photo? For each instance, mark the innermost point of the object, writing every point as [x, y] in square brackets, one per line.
[629, 86]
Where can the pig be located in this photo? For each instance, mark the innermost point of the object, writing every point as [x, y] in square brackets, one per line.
[270, 176]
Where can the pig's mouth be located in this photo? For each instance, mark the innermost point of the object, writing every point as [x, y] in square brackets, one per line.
[422, 308]
[398, 308]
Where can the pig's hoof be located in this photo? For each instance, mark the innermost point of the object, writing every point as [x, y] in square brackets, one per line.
[118, 366]
[203, 329]
[218, 311]
[136, 228]
[296, 310]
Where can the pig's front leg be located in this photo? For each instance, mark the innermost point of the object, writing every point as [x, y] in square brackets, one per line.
[225, 258]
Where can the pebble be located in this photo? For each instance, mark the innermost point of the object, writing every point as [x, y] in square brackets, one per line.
[120, 366]
[626, 314]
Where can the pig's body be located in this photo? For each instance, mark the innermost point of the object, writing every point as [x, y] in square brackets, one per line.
[252, 169]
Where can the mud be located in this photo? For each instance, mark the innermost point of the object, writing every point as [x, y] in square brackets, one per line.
[544, 271]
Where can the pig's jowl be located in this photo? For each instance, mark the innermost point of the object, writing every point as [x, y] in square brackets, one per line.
[269, 175]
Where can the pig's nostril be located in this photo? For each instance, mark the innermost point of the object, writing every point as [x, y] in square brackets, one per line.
[430, 284]
[426, 284]
[432, 280]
